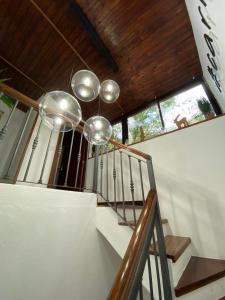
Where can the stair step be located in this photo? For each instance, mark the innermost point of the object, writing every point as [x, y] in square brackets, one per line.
[130, 206]
[199, 272]
[138, 203]
[132, 223]
[175, 246]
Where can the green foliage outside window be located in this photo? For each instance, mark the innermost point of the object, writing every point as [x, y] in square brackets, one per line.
[149, 120]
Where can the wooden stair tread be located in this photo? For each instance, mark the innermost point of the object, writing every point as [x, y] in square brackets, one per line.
[138, 203]
[199, 272]
[130, 206]
[132, 223]
[175, 246]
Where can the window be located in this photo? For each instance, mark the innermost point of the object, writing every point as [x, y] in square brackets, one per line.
[183, 105]
[145, 124]
[117, 132]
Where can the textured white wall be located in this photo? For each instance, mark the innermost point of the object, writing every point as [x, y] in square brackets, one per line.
[50, 248]
[190, 173]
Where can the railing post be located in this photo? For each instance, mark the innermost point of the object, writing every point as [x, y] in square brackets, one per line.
[162, 255]
[78, 159]
[101, 169]
[151, 175]
[60, 148]
[69, 159]
[34, 146]
[46, 156]
[141, 177]
[132, 189]
[95, 173]
[160, 237]
[107, 174]
[122, 184]
[4, 129]
[114, 177]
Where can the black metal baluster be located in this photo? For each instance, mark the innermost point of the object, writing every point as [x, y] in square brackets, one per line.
[132, 190]
[34, 146]
[69, 159]
[4, 129]
[150, 278]
[59, 158]
[142, 185]
[46, 156]
[78, 160]
[87, 156]
[95, 173]
[141, 292]
[162, 255]
[114, 177]
[122, 184]
[6, 176]
[107, 174]
[157, 266]
[101, 169]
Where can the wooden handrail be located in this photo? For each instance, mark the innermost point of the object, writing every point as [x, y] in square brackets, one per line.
[130, 149]
[128, 267]
[18, 96]
[30, 102]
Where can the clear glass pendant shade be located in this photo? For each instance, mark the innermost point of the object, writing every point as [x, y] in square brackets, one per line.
[85, 85]
[60, 110]
[109, 91]
[97, 130]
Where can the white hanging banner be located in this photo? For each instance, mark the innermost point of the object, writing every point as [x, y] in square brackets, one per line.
[208, 23]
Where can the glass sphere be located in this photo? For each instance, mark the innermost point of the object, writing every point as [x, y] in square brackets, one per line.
[109, 91]
[85, 85]
[97, 130]
[60, 111]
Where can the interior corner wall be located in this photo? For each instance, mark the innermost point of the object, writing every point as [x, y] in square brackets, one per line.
[50, 247]
[189, 167]
[212, 11]
[13, 131]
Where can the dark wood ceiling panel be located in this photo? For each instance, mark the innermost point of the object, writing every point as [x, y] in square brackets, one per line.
[151, 41]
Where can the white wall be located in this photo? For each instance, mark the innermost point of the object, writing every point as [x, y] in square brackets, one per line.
[50, 248]
[39, 155]
[190, 173]
[213, 14]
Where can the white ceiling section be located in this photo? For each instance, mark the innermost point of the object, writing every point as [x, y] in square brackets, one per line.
[208, 22]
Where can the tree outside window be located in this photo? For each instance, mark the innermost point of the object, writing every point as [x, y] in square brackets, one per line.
[145, 124]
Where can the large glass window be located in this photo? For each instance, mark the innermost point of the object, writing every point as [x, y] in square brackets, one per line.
[144, 125]
[117, 132]
[183, 105]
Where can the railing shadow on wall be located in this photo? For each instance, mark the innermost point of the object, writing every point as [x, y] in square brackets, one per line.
[123, 179]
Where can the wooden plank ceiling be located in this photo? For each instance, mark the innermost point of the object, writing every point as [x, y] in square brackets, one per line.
[43, 42]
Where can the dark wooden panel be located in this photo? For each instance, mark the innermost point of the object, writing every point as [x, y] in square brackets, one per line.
[151, 41]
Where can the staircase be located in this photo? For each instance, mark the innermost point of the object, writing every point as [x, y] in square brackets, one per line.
[194, 277]
[155, 261]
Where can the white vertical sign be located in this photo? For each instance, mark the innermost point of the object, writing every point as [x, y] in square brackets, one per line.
[208, 22]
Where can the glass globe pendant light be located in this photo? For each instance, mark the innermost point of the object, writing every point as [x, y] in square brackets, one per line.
[109, 91]
[97, 130]
[85, 85]
[60, 111]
